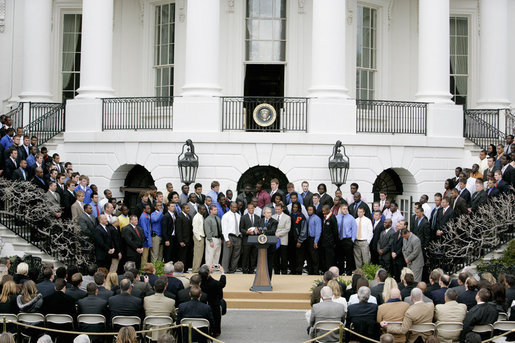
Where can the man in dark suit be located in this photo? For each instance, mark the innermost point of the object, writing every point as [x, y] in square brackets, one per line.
[384, 245]
[510, 289]
[184, 294]
[249, 254]
[458, 204]
[46, 287]
[508, 172]
[377, 290]
[353, 209]
[59, 302]
[397, 258]
[21, 174]
[325, 199]
[329, 237]
[102, 292]
[11, 163]
[434, 213]
[174, 284]
[56, 163]
[68, 199]
[39, 181]
[201, 198]
[438, 295]
[87, 222]
[134, 238]
[92, 303]
[469, 296]
[463, 192]
[420, 227]
[184, 235]
[104, 247]
[306, 194]
[409, 283]
[362, 316]
[480, 196]
[73, 289]
[445, 213]
[481, 314]
[167, 228]
[124, 304]
[196, 309]
[500, 184]
[274, 185]
[378, 226]
[268, 225]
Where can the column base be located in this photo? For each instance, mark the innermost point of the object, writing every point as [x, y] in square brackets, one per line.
[322, 118]
[435, 97]
[92, 93]
[83, 115]
[493, 103]
[36, 97]
[444, 120]
[201, 90]
[197, 114]
[330, 92]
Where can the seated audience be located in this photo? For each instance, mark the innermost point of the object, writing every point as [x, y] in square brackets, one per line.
[174, 284]
[46, 287]
[362, 282]
[178, 272]
[393, 311]
[438, 295]
[59, 302]
[469, 296]
[214, 290]
[326, 310]
[158, 304]
[93, 303]
[451, 311]
[124, 304]
[482, 313]
[29, 300]
[8, 298]
[184, 294]
[73, 288]
[195, 309]
[362, 316]
[100, 281]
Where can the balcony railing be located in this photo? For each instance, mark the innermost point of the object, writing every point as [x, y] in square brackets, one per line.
[16, 115]
[48, 124]
[380, 116]
[290, 114]
[39, 109]
[482, 127]
[143, 113]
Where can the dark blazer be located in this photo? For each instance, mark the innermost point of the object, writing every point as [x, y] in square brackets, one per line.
[459, 206]
[438, 296]
[68, 199]
[363, 318]
[326, 199]
[93, 304]
[397, 246]
[59, 303]
[75, 292]
[442, 219]
[502, 186]
[270, 228]
[432, 220]
[104, 293]
[9, 168]
[46, 288]
[183, 229]
[18, 176]
[174, 285]
[196, 309]
[125, 304]
[183, 296]
[478, 199]
[481, 314]
[422, 230]
[167, 225]
[493, 192]
[406, 291]
[87, 224]
[245, 224]
[103, 243]
[510, 295]
[43, 185]
[509, 175]
[385, 241]
[133, 241]
[329, 236]
[468, 298]
[377, 233]
[308, 199]
[353, 209]
[116, 238]
[465, 195]
[214, 290]
[377, 291]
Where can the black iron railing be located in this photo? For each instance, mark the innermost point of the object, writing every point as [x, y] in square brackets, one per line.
[48, 124]
[482, 127]
[509, 122]
[380, 116]
[16, 115]
[144, 113]
[238, 114]
[39, 109]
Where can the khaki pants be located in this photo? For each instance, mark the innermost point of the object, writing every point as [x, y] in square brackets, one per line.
[144, 256]
[213, 254]
[361, 253]
[198, 253]
[114, 265]
[156, 253]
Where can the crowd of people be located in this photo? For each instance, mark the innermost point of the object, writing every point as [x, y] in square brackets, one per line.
[371, 310]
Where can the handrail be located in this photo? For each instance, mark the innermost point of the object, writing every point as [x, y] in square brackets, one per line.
[483, 131]
[16, 115]
[47, 125]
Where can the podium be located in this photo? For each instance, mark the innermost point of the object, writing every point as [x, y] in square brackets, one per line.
[262, 279]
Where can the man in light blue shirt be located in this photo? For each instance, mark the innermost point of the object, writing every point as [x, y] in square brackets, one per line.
[347, 232]
[314, 232]
[31, 159]
[213, 193]
[7, 140]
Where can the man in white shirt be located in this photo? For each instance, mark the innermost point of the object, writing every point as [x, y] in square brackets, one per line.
[425, 206]
[108, 211]
[232, 238]
[483, 162]
[107, 195]
[363, 238]
[382, 200]
[257, 211]
[395, 215]
[198, 237]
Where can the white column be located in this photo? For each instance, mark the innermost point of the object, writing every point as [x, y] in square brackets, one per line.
[328, 49]
[202, 48]
[433, 51]
[97, 49]
[37, 44]
[493, 59]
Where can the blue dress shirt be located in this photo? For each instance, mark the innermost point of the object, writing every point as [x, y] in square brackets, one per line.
[315, 227]
[155, 218]
[145, 223]
[347, 227]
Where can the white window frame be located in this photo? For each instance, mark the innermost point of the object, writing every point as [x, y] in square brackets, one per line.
[155, 65]
[370, 71]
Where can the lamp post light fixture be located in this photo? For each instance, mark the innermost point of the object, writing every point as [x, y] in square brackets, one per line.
[188, 163]
[339, 165]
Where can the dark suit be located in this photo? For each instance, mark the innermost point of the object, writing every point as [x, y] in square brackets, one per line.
[377, 291]
[459, 206]
[308, 199]
[269, 230]
[328, 240]
[421, 230]
[374, 256]
[249, 254]
[214, 290]
[68, 200]
[468, 298]
[493, 192]
[104, 293]
[103, 244]
[363, 318]
[502, 186]
[133, 242]
[438, 296]
[353, 209]
[75, 292]
[478, 200]
[385, 244]
[9, 168]
[326, 199]
[465, 195]
[406, 291]
[87, 224]
[481, 314]
[509, 175]
[174, 286]
[196, 309]
[398, 262]
[59, 303]
[442, 218]
[92, 304]
[183, 296]
[46, 288]
[125, 304]
[41, 183]
[167, 227]
[18, 175]
[184, 234]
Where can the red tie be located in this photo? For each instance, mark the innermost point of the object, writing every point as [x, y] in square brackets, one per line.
[98, 212]
[137, 232]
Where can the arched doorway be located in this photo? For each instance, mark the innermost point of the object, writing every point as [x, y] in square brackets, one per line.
[262, 173]
[388, 181]
[138, 179]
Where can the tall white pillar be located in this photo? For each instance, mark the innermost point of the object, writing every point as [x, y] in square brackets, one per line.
[37, 44]
[328, 50]
[202, 48]
[433, 52]
[97, 49]
[493, 58]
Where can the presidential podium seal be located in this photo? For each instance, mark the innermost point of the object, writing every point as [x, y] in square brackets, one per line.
[264, 115]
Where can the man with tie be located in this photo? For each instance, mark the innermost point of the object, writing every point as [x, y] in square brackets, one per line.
[412, 252]
[459, 205]
[11, 163]
[213, 231]
[434, 211]
[363, 238]
[68, 199]
[325, 199]
[232, 237]
[39, 164]
[97, 210]
[39, 181]
[193, 205]
[51, 195]
[507, 171]
[184, 235]
[480, 197]
[500, 184]
[268, 226]
[317, 206]
[274, 185]
[382, 200]
[445, 213]
[307, 196]
[134, 238]
[384, 245]
[55, 162]
[21, 173]
[420, 227]
[284, 225]
[397, 258]
[347, 231]
[87, 222]
[104, 246]
[377, 224]
[25, 148]
[358, 202]
[168, 232]
[249, 252]
[201, 198]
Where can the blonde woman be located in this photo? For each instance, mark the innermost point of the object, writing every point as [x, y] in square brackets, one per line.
[337, 293]
[389, 284]
[127, 335]
[112, 282]
[29, 301]
[8, 298]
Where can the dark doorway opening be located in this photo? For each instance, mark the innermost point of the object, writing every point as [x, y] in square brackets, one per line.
[265, 82]
[262, 173]
[389, 182]
[138, 179]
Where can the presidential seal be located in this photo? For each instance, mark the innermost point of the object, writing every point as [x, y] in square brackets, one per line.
[264, 115]
[262, 239]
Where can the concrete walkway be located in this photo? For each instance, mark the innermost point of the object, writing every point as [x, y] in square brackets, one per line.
[264, 326]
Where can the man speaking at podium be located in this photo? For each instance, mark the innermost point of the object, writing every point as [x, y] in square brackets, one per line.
[268, 226]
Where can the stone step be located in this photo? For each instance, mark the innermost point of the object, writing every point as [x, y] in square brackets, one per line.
[285, 304]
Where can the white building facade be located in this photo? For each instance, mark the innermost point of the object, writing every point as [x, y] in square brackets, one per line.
[389, 78]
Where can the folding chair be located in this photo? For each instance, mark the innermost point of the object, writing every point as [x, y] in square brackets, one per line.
[59, 322]
[9, 318]
[155, 322]
[485, 331]
[35, 319]
[325, 326]
[501, 327]
[119, 321]
[449, 331]
[502, 316]
[92, 323]
[417, 329]
[199, 323]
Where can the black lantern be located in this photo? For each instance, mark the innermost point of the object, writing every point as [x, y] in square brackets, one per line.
[339, 165]
[188, 163]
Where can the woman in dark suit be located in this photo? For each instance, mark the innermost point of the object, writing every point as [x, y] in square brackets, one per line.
[214, 290]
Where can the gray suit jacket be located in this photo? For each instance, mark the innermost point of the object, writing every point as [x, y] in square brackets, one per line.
[211, 229]
[55, 200]
[385, 241]
[77, 211]
[193, 211]
[87, 224]
[412, 250]
[283, 228]
[327, 310]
